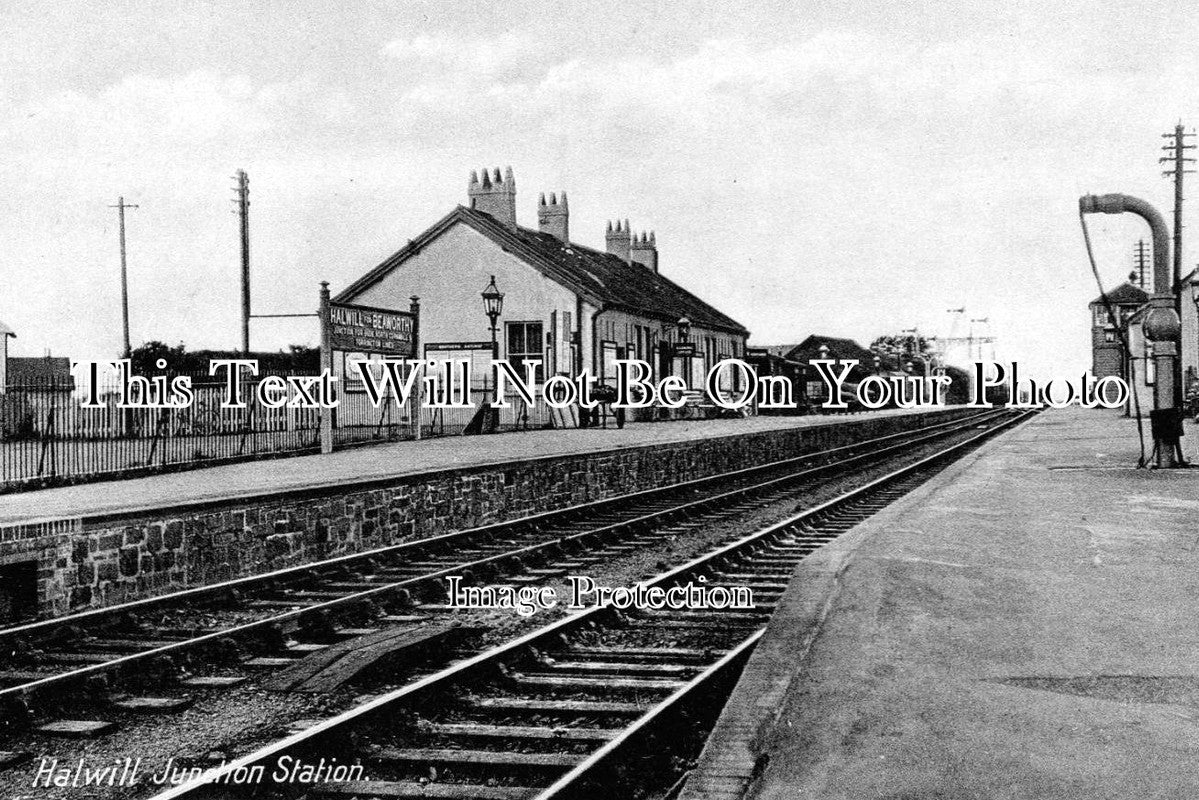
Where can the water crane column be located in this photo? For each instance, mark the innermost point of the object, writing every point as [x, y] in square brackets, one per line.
[1161, 325]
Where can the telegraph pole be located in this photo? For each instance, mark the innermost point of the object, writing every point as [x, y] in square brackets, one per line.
[120, 207]
[243, 212]
[1176, 153]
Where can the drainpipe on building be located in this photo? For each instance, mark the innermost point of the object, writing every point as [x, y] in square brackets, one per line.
[596, 366]
[1161, 325]
[577, 337]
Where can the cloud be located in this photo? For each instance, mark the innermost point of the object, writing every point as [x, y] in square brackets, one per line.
[167, 114]
[458, 60]
[795, 183]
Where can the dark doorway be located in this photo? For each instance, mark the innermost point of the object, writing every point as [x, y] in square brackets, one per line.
[18, 591]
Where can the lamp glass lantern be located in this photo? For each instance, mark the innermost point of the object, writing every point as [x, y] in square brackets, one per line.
[684, 326]
[493, 301]
[493, 306]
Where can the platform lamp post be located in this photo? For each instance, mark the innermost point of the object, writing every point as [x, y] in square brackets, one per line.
[493, 306]
[823, 352]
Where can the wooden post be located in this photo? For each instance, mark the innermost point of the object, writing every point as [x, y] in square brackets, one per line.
[416, 397]
[326, 364]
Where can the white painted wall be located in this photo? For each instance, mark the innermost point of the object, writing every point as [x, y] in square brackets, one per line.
[450, 274]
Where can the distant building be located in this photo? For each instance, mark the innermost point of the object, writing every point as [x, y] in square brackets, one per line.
[566, 304]
[43, 373]
[771, 361]
[28, 372]
[36, 395]
[1189, 339]
[817, 346]
[1108, 357]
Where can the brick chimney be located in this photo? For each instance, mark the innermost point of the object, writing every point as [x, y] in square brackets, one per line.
[644, 251]
[617, 239]
[554, 217]
[494, 196]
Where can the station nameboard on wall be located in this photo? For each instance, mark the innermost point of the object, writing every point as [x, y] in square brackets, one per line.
[372, 330]
[684, 349]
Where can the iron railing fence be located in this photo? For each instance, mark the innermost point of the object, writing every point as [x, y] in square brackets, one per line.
[47, 436]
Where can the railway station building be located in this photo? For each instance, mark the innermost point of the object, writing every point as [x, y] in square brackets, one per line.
[1109, 357]
[817, 346]
[572, 306]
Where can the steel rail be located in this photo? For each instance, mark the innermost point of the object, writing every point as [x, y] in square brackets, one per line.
[214, 590]
[487, 660]
[80, 673]
[567, 786]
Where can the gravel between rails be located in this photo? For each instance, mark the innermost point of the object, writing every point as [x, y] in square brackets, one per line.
[231, 722]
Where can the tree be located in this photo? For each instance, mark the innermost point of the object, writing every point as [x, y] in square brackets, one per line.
[297, 359]
[145, 357]
[913, 346]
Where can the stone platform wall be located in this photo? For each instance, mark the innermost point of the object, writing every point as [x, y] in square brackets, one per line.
[94, 562]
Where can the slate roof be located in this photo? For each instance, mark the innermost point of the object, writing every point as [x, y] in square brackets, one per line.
[601, 278]
[40, 370]
[779, 350]
[838, 348]
[1124, 295]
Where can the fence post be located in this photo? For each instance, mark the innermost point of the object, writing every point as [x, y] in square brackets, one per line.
[416, 397]
[326, 364]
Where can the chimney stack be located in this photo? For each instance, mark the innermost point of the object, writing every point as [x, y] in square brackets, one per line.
[554, 217]
[644, 251]
[494, 195]
[618, 239]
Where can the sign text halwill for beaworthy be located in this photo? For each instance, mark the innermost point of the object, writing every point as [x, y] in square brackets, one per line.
[360, 329]
[446, 384]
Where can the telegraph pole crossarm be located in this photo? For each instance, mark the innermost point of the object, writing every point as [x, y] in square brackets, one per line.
[1176, 154]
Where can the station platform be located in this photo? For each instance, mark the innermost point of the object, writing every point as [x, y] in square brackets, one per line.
[374, 462]
[1021, 626]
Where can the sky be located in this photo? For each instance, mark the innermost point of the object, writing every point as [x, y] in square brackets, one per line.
[849, 169]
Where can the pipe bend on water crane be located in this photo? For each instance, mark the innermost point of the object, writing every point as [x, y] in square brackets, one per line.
[1161, 326]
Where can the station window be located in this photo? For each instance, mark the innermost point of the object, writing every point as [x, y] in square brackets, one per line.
[525, 344]
[608, 355]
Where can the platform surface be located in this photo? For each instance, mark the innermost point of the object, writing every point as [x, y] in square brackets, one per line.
[1025, 625]
[366, 463]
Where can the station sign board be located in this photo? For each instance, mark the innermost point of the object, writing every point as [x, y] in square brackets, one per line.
[363, 329]
[684, 349]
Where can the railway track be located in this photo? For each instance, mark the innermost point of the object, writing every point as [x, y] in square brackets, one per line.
[602, 702]
[241, 628]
